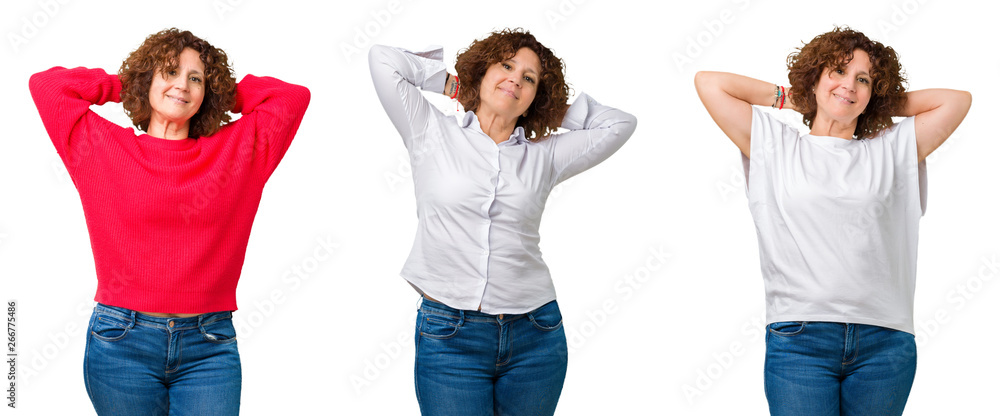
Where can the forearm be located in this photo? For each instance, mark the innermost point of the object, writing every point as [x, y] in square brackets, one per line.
[596, 132]
[937, 113]
[270, 95]
[746, 89]
[90, 86]
[922, 101]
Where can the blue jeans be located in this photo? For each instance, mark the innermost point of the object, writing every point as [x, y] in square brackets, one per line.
[470, 363]
[138, 364]
[827, 368]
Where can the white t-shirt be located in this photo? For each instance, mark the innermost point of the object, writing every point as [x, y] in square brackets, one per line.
[837, 222]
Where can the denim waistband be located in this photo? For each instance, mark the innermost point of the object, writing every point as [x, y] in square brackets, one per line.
[431, 306]
[172, 324]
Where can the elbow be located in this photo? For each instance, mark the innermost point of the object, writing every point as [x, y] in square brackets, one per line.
[33, 83]
[631, 121]
[303, 96]
[625, 127]
[42, 83]
[699, 78]
[966, 99]
[37, 80]
[377, 54]
[702, 78]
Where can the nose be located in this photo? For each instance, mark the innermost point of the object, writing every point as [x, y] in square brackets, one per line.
[515, 79]
[181, 83]
[850, 85]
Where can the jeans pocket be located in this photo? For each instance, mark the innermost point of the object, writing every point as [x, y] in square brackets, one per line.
[110, 327]
[437, 326]
[786, 329]
[219, 332]
[547, 318]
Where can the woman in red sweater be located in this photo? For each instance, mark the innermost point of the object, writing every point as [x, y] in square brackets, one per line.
[169, 213]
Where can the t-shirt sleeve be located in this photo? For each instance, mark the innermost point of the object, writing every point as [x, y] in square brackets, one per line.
[767, 139]
[902, 139]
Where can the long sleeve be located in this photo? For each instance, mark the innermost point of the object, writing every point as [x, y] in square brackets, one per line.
[63, 98]
[596, 132]
[276, 109]
[399, 75]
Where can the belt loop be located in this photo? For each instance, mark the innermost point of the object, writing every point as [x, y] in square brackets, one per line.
[131, 323]
[461, 317]
[201, 328]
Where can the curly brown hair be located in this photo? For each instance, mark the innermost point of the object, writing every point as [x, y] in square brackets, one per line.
[158, 55]
[832, 50]
[546, 111]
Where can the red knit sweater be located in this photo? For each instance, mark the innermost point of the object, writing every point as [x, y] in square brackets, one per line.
[169, 220]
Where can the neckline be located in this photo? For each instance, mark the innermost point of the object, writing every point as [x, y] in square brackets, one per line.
[831, 140]
[471, 120]
[183, 144]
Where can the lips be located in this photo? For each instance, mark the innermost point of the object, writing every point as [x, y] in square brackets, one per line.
[845, 100]
[176, 99]
[510, 93]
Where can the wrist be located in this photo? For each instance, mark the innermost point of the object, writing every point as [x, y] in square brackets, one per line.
[452, 86]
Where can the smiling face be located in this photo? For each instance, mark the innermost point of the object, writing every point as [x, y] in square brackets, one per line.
[509, 87]
[842, 94]
[176, 96]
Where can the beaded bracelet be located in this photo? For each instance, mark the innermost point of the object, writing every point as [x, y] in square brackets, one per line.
[457, 86]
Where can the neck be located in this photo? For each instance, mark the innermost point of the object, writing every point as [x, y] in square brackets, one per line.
[498, 128]
[821, 126]
[168, 130]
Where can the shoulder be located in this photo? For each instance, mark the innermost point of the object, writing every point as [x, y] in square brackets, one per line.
[762, 118]
[901, 134]
[903, 127]
[768, 131]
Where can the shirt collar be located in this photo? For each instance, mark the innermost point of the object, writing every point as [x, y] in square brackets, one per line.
[470, 120]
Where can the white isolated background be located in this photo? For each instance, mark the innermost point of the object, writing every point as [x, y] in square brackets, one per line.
[650, 333]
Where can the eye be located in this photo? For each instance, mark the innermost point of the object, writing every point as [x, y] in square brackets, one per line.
[195, 79]
[172, 72]
[864, 80]
[505, 66]
[529, 79]
[839, 71]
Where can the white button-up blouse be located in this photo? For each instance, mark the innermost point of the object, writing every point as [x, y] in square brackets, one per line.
[479, 203]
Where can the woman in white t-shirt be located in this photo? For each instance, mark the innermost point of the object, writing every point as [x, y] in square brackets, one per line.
[837, 212]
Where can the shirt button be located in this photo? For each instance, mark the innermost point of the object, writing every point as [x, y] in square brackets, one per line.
[170, 324]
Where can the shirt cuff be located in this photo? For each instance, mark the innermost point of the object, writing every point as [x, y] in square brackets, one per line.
[576, 117]
[433, 76]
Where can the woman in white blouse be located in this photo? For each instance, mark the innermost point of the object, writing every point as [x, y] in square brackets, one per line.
[836, 212]
[489, 336]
